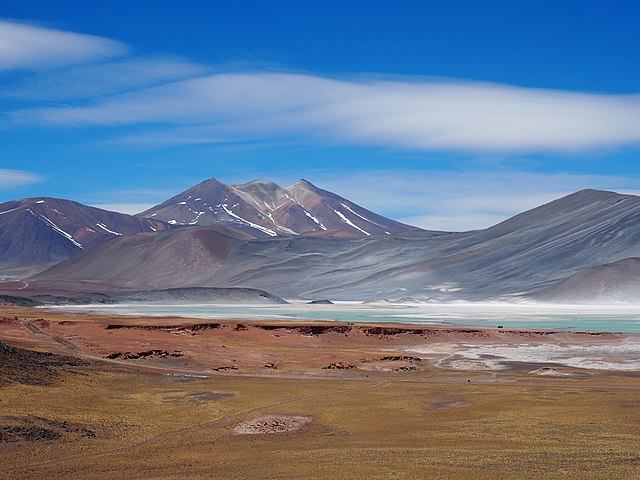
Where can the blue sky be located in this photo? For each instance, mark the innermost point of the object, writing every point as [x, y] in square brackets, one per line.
[448, 115]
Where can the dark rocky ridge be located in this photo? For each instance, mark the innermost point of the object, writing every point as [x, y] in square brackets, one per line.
[173, 296]
[199, 295]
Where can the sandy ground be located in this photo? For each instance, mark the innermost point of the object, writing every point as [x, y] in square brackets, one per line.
[154, 398]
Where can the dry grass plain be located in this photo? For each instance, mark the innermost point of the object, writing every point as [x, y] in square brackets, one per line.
[129, 422]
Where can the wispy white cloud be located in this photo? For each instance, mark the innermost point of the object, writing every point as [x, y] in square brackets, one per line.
[406, 113]
[17, 178]
[104, 78]
[26, 46]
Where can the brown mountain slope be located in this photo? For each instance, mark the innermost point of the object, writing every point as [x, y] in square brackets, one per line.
[152, 260]
[37, 231]
[265, 209]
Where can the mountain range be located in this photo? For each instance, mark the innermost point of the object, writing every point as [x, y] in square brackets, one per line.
[44, 231]
[304, 242]
[265, 209]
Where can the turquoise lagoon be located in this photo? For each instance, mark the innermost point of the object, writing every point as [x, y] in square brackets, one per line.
[602, 318]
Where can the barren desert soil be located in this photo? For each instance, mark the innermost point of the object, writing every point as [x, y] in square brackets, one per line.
[165, 398]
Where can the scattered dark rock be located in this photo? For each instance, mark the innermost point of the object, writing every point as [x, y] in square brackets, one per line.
[146, 354]
[271, 365]
[401, 358]
[389, 331]
[309, 329]
[337, 433]
[176, 329]
[33, 368]
[199, 327]
[226, 367]
[406, 368]
[320, 302]
[38, 429]
[339, 366]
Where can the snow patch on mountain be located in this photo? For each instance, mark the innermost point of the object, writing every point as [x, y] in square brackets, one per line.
[320, 224]
[104, 227]
[349, 222]
[195, 220]
[251, 224]
[361, 216]
[12, 210]
[57, 229]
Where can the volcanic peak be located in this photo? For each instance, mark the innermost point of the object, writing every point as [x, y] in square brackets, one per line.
[264, 208]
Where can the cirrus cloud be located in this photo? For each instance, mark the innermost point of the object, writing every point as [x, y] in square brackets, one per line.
[177, 102]
[406, 113]
[102, 79]
[25, 46]
[17, 178]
